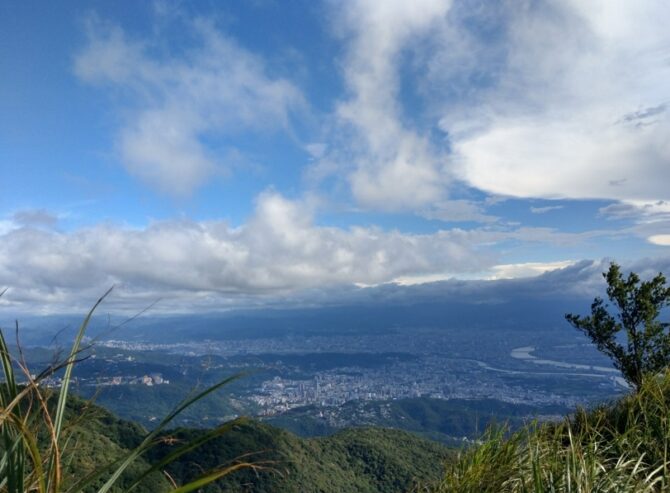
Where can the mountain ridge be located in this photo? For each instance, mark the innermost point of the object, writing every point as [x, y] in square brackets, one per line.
[368, 459]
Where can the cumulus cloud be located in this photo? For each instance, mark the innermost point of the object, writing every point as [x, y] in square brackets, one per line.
[663, 240]
[214, 89]
[573, 103]
[541, 99]
[393, 166]
[279, 249]
[536, 100]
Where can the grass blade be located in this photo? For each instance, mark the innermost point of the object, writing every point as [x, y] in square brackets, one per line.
[212, 476]
[54, 464]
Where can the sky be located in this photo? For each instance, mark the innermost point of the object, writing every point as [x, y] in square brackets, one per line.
[212, 154]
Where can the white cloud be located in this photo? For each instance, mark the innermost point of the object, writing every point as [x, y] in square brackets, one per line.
[574, 104]
[214, 89]
[640, 211]
[428, 278]
[663, 240]
[6, 226]
[651, 220]
[28, 218]
[542, 100]
[316, 149]
[585, 160]
[280, 249]
[527, 269]
[394, 166]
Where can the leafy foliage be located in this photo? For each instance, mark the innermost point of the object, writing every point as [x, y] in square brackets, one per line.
[639, 304]
[354, 460]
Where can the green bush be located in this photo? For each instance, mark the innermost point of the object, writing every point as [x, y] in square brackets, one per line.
[619, 447]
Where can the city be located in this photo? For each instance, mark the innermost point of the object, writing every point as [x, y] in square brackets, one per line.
[287, 372]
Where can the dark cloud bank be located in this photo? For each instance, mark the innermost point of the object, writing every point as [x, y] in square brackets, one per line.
[537, 303]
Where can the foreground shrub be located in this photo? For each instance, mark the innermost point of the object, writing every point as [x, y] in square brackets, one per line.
[614, 448]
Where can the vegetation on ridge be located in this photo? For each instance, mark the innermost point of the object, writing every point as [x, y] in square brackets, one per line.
[620, 447]
[39, 437]
[357, 460]
[639, 304]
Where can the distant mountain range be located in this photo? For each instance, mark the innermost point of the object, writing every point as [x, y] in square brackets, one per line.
[343, 320]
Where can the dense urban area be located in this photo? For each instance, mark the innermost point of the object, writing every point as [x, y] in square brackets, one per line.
[322, 373]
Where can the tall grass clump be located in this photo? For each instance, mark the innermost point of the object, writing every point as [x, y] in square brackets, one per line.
[37, 445]
[620, 447]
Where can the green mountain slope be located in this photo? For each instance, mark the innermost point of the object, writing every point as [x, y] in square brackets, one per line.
[354, 460]
[97, 437]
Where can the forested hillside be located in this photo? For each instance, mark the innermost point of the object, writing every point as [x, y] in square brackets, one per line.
[355, 460]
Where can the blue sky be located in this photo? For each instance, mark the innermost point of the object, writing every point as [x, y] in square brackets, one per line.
[213, 152]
